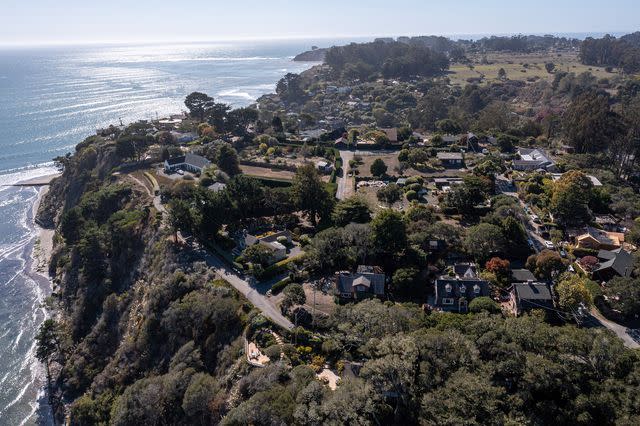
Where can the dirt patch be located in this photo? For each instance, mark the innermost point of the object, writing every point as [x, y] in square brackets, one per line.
[265, 172]
[370, 194]
[324, 303]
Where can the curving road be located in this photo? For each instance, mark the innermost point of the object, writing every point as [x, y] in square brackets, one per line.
[255, 295]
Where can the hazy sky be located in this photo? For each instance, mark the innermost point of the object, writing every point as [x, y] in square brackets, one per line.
[84, 21]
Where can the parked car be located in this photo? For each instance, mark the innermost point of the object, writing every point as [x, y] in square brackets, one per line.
[563, 253]
[535, 218]
[548, 244]
[180, 172]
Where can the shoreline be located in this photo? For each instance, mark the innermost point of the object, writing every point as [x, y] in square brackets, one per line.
[43, 244]
[42, 181]
[37, 267]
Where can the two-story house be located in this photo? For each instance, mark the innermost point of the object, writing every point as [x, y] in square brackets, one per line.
[454, 292]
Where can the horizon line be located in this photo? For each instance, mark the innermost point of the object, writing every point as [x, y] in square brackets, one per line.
[67, 43]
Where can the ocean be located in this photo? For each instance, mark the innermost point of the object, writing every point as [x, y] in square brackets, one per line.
[50, 100]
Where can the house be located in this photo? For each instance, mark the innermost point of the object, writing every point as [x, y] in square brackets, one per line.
[533, 159]
[189, 162]
[594, 180]
[451, 159]
[607, 222]
[473, 142]
[597, 239]
[272, 241]
[392, 134]
[367, 281]
[530, 295]
[217, 187]
[183, 137]
[311, 134]
[613, 263]
[522, 276]
[341, 142]
[454, 293]
[442, 183]
[324, 167]
[450, 139]
[169, 123]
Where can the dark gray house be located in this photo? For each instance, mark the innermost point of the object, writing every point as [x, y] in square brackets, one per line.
[367, 281]
[522, 276]
[529, 295]
[613, 263]
[455, 292]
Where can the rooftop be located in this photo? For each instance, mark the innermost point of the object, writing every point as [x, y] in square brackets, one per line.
[532, 291]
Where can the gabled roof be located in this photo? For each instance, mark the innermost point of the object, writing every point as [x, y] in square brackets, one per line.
[532, 291]
[196, 160]
[372, 281]
[603, 237]
[621, 264]
[522, 275]
[175, 160]
[535, 155]
[455, 287]
[465, 270]
[449, 156]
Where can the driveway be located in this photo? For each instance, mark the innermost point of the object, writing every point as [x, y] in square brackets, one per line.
[621, 331]
[506, 188]
[345, 182]
[255, 295]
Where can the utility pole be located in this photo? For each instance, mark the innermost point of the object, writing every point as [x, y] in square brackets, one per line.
[313, 314]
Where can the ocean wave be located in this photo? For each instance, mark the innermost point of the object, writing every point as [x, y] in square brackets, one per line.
[235, 93]
[151, 60]
[19, 174]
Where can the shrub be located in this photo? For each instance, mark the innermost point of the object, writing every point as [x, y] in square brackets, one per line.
[484, 303]
[411, 195]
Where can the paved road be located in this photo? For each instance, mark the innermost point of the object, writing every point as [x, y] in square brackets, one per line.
[253, 294]
[345, 183]
[621, 331]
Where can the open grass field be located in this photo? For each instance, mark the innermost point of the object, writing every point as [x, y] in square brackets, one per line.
[268, 173]
[522, 66]
[368, 157]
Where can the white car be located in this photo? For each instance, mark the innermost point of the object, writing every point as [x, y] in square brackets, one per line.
[180, 172]
[548, 244]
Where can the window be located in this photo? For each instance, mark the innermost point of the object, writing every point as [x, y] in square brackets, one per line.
[447, 288]
[447, 301]
[476, 289]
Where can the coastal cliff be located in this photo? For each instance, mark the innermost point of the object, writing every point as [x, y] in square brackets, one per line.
[135, 311]
[314, 55]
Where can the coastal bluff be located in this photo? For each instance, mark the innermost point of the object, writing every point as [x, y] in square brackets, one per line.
[313, 55]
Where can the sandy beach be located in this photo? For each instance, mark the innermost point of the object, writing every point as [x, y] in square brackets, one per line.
[43, 245]
[38, 181]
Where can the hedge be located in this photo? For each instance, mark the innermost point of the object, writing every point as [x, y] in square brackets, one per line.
[272, 182]
[278, 268]
[280, 285]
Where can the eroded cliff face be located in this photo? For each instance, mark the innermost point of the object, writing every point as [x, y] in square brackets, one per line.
[137, 314]
[93, 161]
